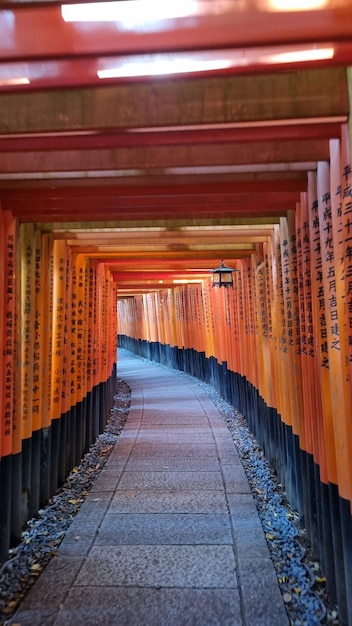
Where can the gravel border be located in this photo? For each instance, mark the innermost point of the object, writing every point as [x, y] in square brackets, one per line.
[300, 580]
[44, 533]
[299, 576]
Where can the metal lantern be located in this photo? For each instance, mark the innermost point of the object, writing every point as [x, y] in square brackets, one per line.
[222, 276]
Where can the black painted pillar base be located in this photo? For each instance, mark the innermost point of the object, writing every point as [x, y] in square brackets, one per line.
[55, 455]
[5, 507]
[45, 465]
[34, 495]
[16, 499]
[26, 478]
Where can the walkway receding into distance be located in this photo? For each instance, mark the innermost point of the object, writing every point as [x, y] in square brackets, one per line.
[169, 534]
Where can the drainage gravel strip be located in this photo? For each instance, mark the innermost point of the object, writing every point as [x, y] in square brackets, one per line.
[299, 577]
[44, 533]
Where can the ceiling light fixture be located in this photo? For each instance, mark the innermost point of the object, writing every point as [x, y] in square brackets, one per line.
[22, 80]
[296, 5]
[204, 61]
[159, 66]
[299, 56]
[130, 12]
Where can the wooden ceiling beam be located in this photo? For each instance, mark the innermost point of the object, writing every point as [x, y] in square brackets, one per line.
[319, 93]
[196, 192]
[145, 158]
[124, 139]
[213, 214]
[247, 24]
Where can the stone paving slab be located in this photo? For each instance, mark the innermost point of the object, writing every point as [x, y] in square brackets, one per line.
[95, 606]
[171, 480]
[152, 450]
[169, 534]
[175, 419]
[164, 528]
[108, 479]
[172, 463]
[179, 437]
[168, 501]
[261, 595]
[160, 566]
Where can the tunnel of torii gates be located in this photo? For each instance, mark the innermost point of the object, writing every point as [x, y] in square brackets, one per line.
[277, 346]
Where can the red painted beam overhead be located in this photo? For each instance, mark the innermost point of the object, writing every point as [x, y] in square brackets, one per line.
[95, 140]
[43, 50]
[237, 23]
[230, 145]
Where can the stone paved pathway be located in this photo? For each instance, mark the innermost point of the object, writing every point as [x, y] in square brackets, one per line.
[169, 535]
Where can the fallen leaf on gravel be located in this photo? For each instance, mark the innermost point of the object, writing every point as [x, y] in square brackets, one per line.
[36, 567]
[297, 590]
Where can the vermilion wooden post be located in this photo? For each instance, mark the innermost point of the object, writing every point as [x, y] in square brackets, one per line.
[259, 318]
[294, 329]
[44, 282]
[235, 352]
[109, 327]
[253, 322]
[263, 305]
[285, 305]
[228, 326]
[311, 390]
[339, 359]
[58, 337]
[326, 309]
[279, 343]
[81, 339]
[192, 327]
[228, 298]
[81, 328]
[9, 440]
[160, 316]
[208, 319]
[59, 295]
[289, 264]
[216, 295]
[327, 469]
[242, 339]
[320, 214]
[305, 338]
[100, 357]
[270, 269]
[38, 339]
[27, 321]
[105, 346]
[3, 268]
[36, 357]
[7, 316]
[172, 314]
[94, 330]
[178, 317]
[335, 279]
[346, 220]
[72, 362]
[197, 319]
[345, 505]
[242, 319]
[113, 327]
